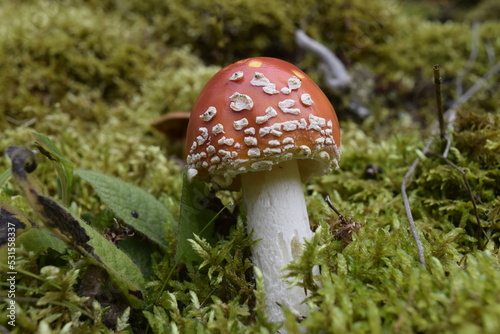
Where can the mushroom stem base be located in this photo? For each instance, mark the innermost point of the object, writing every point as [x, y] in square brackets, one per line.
[277, 216]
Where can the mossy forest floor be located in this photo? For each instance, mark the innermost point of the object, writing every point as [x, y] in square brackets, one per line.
[85, 78]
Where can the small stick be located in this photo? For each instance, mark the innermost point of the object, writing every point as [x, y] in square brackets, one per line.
[476, 86]
[337, 77]
[406, 204]
[439, 101]
[330, 204]
[450, 116]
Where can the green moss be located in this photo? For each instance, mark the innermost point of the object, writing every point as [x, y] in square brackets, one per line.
[176, 86]
[51, 54]
[477, 135]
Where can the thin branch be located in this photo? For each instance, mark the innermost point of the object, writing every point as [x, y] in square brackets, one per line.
[490, 51]
[450, 115]
[330, 204]
[477, 86]
[337, 76]
[406, 203]
[439, 100]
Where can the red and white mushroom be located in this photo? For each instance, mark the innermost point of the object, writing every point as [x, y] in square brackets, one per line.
[265, 125]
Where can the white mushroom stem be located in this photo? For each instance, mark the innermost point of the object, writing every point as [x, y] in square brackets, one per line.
[277, 215]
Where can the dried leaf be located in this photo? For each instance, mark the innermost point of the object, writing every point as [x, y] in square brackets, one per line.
[74, 232]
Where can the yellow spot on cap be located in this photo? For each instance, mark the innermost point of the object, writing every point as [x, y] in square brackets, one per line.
[255, 63]
[298, 74]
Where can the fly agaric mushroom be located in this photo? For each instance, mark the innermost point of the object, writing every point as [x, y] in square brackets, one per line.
[265, 125]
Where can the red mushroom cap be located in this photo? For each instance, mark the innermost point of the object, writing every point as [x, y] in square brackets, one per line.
[259, 112]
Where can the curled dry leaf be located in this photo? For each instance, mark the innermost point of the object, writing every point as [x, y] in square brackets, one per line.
[173, 124]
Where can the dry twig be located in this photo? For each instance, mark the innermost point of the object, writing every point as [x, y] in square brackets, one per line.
[439, 101]
[337, 77]
[449, 116]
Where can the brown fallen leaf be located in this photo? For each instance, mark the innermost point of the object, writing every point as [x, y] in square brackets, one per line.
[173, 125]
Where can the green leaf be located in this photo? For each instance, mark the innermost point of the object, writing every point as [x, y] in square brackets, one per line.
[39, 240]
[195, 218]
[5, 176]
[120, 267]
[63, 166]
[139, 250]
[133, 205]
